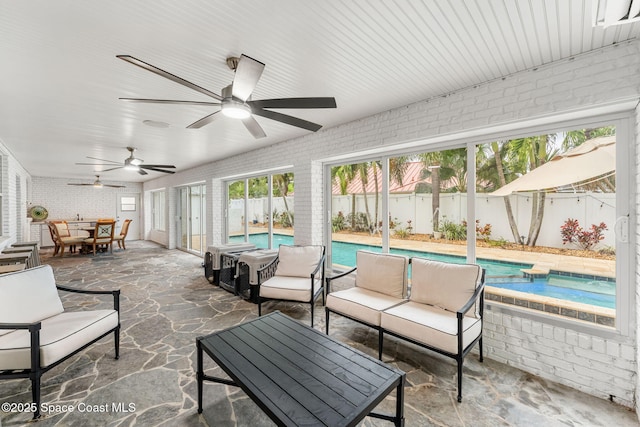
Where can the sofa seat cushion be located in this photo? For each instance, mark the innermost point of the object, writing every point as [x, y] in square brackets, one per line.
[289, 288]
[361, 304]
[60, 335]
[430, 325]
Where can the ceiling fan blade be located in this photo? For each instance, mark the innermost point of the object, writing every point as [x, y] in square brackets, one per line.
[248, 73]
[135, 61]
[142, 171]
[158, 166]
[290, 120]
[254, 127]
[112, 169]
[102, 160]
[77, 184]
[97, 164]
[168, 101]
[203, 121]
[294, 103]
[155, 169]
[112, 186]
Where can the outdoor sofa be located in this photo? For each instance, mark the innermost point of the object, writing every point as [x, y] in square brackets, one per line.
[442, 309]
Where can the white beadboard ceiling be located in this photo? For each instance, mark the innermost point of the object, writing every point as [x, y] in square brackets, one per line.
[60, 79]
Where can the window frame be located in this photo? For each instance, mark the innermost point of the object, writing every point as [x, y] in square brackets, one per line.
[626, 194]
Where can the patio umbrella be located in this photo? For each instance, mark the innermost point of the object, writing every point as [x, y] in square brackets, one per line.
[592, 158]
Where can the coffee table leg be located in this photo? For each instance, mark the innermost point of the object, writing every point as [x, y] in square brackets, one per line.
[400, 403]
[200, 374]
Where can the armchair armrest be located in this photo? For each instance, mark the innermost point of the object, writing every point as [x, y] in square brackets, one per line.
[268, 271]
[320, 264]
[30, 326]
[337, 276]
[473, 299]
[114, 293]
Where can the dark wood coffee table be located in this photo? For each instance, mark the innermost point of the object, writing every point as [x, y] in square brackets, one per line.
[298, 375]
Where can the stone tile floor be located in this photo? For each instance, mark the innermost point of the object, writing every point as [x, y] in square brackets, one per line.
[166, 303]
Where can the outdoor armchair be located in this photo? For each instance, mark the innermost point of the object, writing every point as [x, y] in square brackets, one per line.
[296, 274]
[37, 333]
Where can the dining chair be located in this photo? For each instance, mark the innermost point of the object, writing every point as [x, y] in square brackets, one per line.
[102, 235]
[123, 234]
[54, 238]
[62, 237]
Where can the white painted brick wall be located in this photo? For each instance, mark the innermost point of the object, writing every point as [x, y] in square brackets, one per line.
[556, 91]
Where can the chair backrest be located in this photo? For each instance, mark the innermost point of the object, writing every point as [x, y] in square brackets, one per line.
[53, 231]
[444, 284]
[62, 228]
[104, 230]
[298, 261]
[383, 273]
[106, 219]
[28, 296]
[125, 227]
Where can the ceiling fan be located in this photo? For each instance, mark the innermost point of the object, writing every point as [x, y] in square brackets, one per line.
[235, 101]
[98, 184]
[130, 163]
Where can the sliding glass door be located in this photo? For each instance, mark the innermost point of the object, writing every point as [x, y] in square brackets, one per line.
[192, 218]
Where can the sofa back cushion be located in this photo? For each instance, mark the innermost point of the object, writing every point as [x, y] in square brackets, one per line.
[298, 261]
[383, 273]
[28, 296]
[443, 284]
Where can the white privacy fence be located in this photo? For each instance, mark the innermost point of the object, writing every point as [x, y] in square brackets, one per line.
[587, 208]
[257, 211]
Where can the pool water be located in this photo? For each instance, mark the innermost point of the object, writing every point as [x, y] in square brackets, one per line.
[499, 274]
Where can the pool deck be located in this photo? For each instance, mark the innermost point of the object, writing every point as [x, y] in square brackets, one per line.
[541, 261]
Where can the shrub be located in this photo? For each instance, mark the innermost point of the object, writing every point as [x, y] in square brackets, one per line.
[453, 231]
[337, 222]
[361, 222]
[572, 232]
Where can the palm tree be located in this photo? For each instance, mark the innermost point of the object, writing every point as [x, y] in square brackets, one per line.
[442, 166]
[493, 172]
[344, 175]
[397, 169]
[282, 183]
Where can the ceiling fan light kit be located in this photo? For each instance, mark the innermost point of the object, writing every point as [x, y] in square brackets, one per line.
[235, 101]
[97, 184]
[130, 163]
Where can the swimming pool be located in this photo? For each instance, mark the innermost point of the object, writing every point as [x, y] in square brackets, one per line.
[500, 274]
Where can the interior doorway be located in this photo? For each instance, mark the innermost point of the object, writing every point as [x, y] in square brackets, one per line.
[128, 207]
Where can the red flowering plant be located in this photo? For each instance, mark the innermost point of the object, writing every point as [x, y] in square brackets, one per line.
[572, 232]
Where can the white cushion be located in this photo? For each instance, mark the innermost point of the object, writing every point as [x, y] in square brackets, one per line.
[384, 273]
[28, 296]
[361, 304]
[289, 288]
[445, 285]
[430, 325]
[298, 261]
[60, 335]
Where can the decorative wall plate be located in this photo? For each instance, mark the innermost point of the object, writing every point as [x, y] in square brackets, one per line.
[38, 213]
